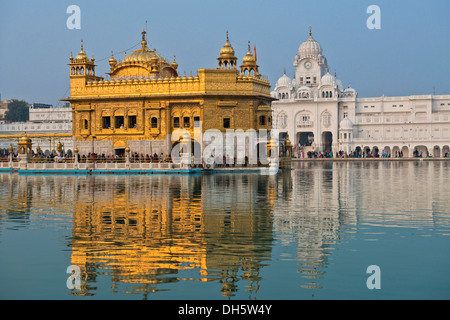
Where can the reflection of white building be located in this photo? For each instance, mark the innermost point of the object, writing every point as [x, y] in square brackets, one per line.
[319, 114]
[43, 120]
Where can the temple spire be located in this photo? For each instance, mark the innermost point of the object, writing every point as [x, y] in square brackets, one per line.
[144, 38]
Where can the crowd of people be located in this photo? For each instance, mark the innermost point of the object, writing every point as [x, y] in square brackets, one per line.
[354, 154]
[220, 161]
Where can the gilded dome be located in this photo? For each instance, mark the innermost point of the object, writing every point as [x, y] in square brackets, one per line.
[227, 50]
[249, 57]
[82, 56]
[144, 55]
[174, 64]
[310, 48]
[112, 60]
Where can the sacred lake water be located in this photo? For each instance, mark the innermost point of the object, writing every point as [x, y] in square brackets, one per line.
[310, 233]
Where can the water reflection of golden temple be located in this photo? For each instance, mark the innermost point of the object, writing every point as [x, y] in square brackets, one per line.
[151, 231]
[147, 232]
[145, 100]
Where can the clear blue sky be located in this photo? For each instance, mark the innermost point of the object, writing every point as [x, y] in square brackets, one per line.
[408, 55]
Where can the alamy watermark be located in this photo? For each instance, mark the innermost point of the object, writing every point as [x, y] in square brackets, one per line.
[374, 21]
[374, 280]
[74, 20]
[232, 147]
[74, 280]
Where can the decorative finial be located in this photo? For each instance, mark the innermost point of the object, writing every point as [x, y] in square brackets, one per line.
[82, 45]
[310, 33]
[144, 38]
[284, 70]
[227, 37]
[112, 54]
[249, 46]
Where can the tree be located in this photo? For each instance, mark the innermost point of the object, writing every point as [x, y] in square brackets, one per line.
[18, 111]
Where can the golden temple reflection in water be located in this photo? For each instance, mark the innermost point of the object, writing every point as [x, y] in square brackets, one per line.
[152, 231]
[147, 229]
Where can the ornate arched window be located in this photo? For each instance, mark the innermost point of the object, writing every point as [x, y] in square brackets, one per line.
[326, 119]
[154, 123]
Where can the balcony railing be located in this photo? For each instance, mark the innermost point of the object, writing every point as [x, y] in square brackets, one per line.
[305, 124]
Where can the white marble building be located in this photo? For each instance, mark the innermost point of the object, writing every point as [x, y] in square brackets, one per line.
[322, 116]
[43, 120]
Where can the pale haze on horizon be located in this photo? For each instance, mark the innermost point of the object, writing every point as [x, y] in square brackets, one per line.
[409, 55]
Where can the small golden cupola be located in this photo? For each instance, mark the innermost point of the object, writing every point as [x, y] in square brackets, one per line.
[249, 66]
[82, 56]
[82, 66]
[174, 64]
[227, 59]
[112, 60]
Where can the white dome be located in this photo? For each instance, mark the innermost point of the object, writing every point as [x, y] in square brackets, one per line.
[346, 124]
[310, 48]
[327, 80]
[350, 90]
[284, 81]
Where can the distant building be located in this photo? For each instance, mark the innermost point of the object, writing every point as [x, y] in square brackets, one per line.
[322, 116]
[44, 119]
[3, 109]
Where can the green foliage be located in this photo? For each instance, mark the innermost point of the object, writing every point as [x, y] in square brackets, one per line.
[18, 111]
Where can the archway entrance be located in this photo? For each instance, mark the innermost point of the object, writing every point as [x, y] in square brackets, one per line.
[366, 152]
[420, 152]
[327, 141]
[436, 152]
[395, 152]
[305, 139]
[375, 152]
[405, 152]
[446, 151]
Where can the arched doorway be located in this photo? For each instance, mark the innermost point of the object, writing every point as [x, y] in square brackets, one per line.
[436, 152]
[375, 152]
[404, 152]
[446, 151]
[366, 152]
[420, 152]
[305, 139]
[327, 141]
[387, 152]
[395, 152]
[282, 141]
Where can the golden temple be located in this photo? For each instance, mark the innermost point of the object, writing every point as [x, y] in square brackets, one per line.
[145, 101]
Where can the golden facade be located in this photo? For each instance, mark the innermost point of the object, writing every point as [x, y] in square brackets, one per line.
[145, 100]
